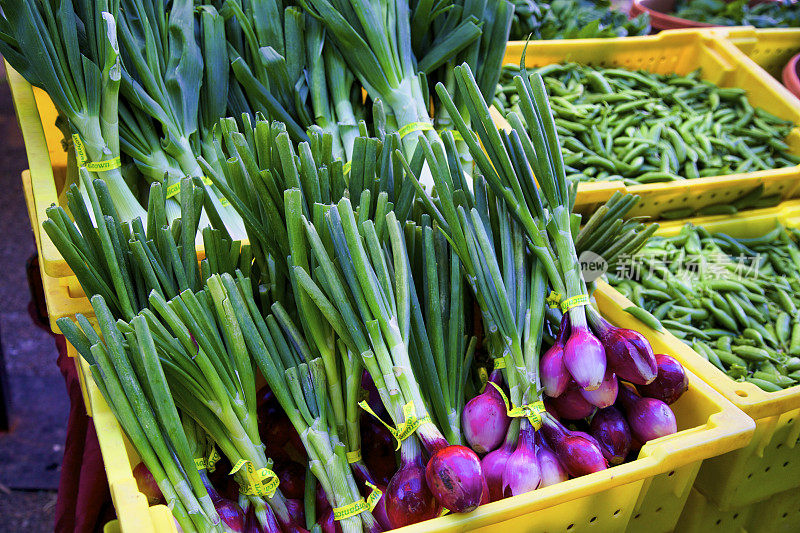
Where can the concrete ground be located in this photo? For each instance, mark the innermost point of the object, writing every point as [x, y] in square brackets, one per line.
[31, 452]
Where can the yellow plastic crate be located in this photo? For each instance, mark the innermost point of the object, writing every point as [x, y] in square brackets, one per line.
[769, 48]
[770, 464]
[680, 51]
[645, 495]
[778, 514]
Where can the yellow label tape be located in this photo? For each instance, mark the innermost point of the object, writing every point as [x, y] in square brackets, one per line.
[356, 508]
[213, 459]
[444, 511]
[532, 411]
[354, 456]
[175, 188]
[83, 159]
[483, 375]
[262, 482]
[414, 126]
[499, 363]
[575, 301]
[404, 430]
[347, 166]
[200, 463]
[553, 299]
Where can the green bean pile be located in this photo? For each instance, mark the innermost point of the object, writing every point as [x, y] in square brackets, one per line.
[573, 19]
[772, 14]
[734, 301]
[640, 127]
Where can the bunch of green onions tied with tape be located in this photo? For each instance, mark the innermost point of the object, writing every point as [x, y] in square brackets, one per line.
[262, 162]
[734, 300]
[362, 288]
[509, 284]
[167, 78]
[543, 210]
[81, 73]
[542, 207]
[205, 370]
[298, 381]
[481, 30]
[129, 373]
[123, 262]
[287, 70]
[375, 40]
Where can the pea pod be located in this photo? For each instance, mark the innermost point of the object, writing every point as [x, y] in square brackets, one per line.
[673, 325]
[792, 364]
[721, 316]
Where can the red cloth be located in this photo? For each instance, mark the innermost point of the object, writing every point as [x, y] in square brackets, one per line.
[84, 502]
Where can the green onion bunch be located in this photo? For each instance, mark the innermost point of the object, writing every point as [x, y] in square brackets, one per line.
[206, 372]
[80, 71]
[124, 261]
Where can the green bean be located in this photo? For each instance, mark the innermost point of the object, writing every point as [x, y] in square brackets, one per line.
[767, 386]
[751, 353]
[729, 358]
[783, 328]
[645, 317]
[794, 342]
[675, 325]
[699, 130]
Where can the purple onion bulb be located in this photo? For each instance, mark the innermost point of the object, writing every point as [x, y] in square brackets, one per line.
[552, 471]
[611, 431]
[572, 405]
[670, 383]
[553, 372]
[628, 353]
[521, 473]
[585, 358]
[230, 513]
[484, 420]
[578, 455]
[648, 418]
[605, 395]
[407, 498]
[455, 478]
[493, 465]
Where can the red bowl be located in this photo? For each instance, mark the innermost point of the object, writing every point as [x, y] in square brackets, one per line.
[660, 20]
[791, 75]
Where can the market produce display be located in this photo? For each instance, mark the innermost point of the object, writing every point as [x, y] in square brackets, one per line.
[733, 300]
[143, 82]
[640, 127]
[573, 19]
[769, 14]
[388, 320]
